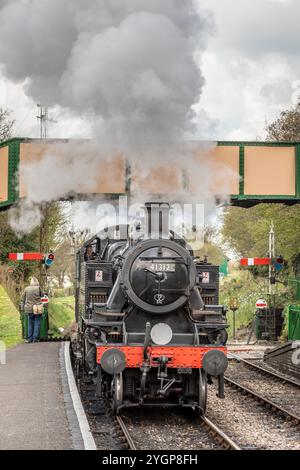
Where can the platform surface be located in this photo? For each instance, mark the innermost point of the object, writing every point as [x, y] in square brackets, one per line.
[249, 351]
[33, 405]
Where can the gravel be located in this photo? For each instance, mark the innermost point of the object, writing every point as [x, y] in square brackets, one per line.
[251, 425]
[168, 430]
[282, 393]
[248, 423]
[271, 369]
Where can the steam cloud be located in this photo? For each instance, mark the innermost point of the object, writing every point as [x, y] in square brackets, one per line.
[126, 66]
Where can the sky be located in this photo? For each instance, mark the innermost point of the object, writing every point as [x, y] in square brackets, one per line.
[251, 65]
[249, 61]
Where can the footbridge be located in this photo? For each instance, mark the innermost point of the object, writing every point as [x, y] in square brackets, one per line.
[247, 173]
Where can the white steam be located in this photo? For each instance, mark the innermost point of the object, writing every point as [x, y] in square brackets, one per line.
[128, 66]
[25, 218]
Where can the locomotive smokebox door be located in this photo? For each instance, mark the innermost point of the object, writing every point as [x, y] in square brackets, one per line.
[158, 276]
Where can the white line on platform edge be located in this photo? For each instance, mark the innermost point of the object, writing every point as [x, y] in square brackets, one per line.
[89, 443]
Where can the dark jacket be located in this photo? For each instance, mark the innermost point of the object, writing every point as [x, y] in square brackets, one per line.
[31, 296]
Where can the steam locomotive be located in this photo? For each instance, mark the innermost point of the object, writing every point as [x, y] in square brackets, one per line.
[151, 331]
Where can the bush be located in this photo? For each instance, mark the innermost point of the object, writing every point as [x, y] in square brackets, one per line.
[247, 289]
[61, 315]
[58, 292]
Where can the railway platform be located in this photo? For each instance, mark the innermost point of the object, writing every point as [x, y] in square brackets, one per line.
[39, 406]
[249, 351]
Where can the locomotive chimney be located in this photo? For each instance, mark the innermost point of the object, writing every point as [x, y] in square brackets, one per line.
[157, 220]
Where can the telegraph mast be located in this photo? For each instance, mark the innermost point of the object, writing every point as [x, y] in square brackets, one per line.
[43, 119]
[272, 256]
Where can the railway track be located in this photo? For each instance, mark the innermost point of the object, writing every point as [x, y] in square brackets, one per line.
[223, 439]
[128, 439]
[145, 430]
[161, 429]
[275, 391]
[251, 425]
[266, 371]
[284, 403]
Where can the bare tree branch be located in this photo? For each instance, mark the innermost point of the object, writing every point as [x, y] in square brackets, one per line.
[6, 125]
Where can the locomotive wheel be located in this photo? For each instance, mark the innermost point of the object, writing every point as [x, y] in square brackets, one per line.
[117, 392]
[202, 392]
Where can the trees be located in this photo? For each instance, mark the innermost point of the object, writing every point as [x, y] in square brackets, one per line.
[246, 230]
[11, 242]
[54, 225]
[64, 262]
[210, 248]
[6, 125]
[286, 127]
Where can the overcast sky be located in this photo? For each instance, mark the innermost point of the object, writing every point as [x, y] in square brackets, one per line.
[250, 64]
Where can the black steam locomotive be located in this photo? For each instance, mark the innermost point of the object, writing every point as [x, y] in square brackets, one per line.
[151, 330]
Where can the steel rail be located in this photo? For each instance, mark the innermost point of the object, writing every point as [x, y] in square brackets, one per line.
[218, 435]
[126, 433]
[263, 400]
[261, 369]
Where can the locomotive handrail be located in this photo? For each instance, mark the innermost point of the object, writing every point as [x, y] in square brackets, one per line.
[109, 314]
[178, 259]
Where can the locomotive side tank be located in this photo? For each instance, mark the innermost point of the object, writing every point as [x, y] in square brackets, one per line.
[151, 330]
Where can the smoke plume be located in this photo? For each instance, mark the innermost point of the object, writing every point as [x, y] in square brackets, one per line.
[128, 67]
[128, 64]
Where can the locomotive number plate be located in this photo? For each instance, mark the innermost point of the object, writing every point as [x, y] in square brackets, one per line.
[184, 371]
[162, 267]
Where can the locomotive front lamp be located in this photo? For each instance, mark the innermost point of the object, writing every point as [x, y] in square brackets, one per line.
[161, 334]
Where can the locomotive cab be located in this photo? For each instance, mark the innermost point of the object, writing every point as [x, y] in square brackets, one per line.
[146, 334]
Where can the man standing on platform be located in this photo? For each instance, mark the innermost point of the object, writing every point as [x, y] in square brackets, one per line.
[32, 305]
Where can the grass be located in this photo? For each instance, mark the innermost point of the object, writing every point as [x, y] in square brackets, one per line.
[61, 314]
[10, 325]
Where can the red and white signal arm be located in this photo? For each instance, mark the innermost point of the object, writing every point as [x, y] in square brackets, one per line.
[255, 261]
[261, 304]
[25, 256]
